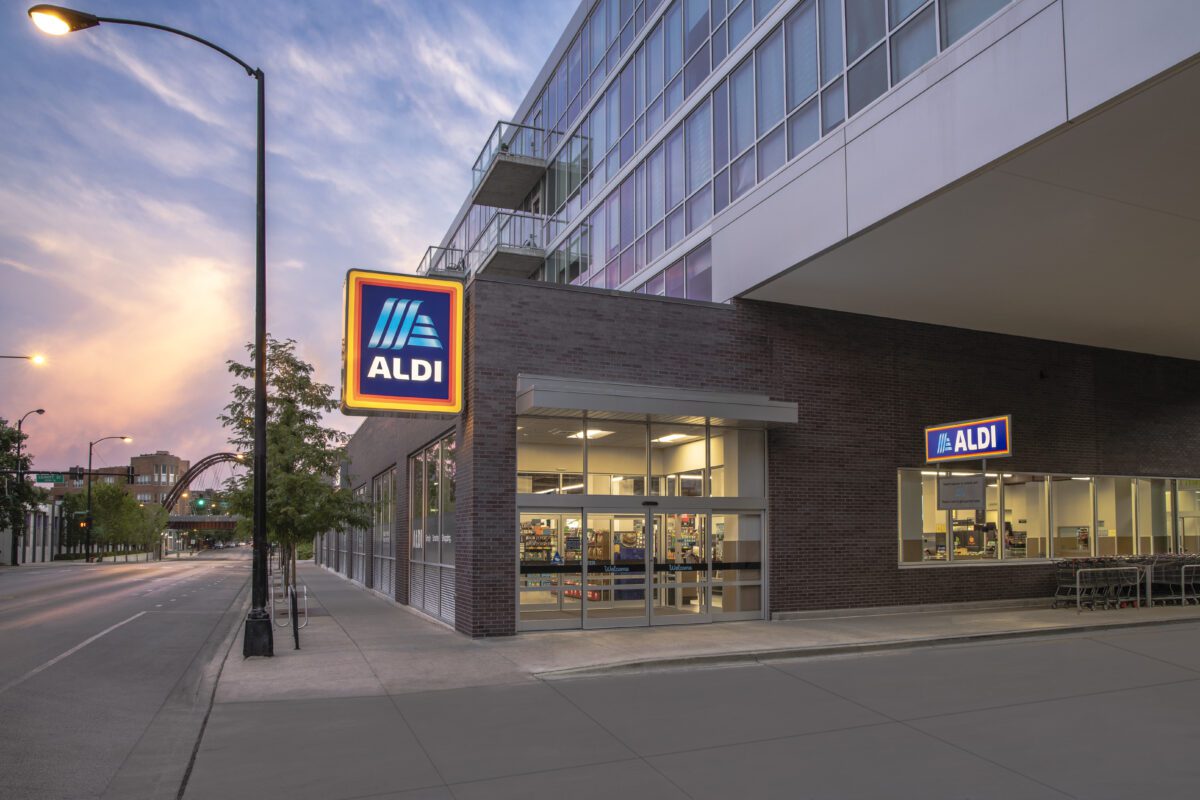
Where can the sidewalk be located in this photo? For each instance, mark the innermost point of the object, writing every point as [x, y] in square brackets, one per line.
[357, 641]
[382, 701]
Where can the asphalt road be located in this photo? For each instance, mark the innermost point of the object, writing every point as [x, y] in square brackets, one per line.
[106, 672]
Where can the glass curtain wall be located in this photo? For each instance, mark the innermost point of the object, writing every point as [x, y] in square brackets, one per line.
[614, 211]
[1056, 516]
[360, 544]
[1188, 503]
[432, 488]
[383, 506]
[607, 564]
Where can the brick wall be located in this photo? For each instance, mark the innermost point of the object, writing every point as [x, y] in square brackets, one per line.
[865, 386]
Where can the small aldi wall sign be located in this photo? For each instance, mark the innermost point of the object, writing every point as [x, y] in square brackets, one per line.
[977, 438]
[403, 345]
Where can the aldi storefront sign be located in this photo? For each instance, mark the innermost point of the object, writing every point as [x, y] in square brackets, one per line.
[403, 344]
[973, 439]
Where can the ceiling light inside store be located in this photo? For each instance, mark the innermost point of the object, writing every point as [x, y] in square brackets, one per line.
[592, 433]
[674, 437]
[1081, 479]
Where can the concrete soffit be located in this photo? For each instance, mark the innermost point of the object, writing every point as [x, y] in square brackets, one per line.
[553, 396]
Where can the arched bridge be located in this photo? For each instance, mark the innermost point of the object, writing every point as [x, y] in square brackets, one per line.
[185, 480]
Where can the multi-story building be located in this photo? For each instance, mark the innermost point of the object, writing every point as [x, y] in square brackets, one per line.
[732, 257]
[154, 474]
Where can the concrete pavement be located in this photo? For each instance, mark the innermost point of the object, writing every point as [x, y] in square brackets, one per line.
[383, 702]
[103, 673]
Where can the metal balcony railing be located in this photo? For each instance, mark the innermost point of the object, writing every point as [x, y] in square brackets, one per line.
[445, 260]
[515, 235]
[507, 139]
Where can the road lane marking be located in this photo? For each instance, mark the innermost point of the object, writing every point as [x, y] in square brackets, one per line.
[72, 651]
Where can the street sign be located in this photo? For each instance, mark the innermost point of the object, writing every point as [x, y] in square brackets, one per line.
[403, 344]
[973, 439]
[49, 477]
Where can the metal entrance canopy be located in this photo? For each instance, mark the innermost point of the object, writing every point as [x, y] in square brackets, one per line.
[544, 395]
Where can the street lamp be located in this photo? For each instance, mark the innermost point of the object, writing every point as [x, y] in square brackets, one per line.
[35, 359]
[87, 535]
[259, 637]
[19, 529]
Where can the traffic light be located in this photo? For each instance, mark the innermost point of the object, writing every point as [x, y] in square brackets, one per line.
[129, 475]
[200, 502]
[75, 473]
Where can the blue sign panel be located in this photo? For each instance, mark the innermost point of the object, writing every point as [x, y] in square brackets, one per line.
[403, 344]
[977, 438]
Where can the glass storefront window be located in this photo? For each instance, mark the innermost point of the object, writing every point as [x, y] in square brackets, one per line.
[1114, 517]
[736, 542]
[616, 457]
[677, 460]
[975, 534]
[1071, 516]
[738, 463]
[1154, 515]
[433, 460]
[922, 525]
[416, 506]
[1188, 504]
[1025, 523]
[449, 502]
[549, 456]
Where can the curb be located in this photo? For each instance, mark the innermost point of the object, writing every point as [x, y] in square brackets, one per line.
[212, 677]
[758, 656]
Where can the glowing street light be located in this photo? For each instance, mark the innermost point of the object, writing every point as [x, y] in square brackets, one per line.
[36, 359]
[258, 639]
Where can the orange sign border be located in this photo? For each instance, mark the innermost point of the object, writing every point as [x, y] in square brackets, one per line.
[353, 398]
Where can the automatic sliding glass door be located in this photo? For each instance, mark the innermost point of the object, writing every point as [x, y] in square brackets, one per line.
[680, 569]
[615, 591]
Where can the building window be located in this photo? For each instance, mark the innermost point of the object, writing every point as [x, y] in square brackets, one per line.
[383, 497]
[433, 478]
[1028, 517]
[634, 459]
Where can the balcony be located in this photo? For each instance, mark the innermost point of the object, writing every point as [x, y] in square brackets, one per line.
[509, 167]
[511, 245]
[443, 261]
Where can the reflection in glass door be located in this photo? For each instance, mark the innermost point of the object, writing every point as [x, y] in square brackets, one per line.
[550, 574]
[680, 569]
[615, 578]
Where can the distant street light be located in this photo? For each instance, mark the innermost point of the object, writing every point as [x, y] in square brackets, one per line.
[87, 535]
[259, 636]
[19, 529]
[36, 360]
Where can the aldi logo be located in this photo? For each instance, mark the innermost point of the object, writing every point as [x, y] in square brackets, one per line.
[403, 344]
[978, 438]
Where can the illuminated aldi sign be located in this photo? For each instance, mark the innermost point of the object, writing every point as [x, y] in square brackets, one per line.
[973, 439]
[403, 345]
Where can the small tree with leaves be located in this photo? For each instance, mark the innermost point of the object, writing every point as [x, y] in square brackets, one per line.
[17, 497]
[303, 456]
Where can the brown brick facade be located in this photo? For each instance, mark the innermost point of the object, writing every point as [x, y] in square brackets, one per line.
[865, 386]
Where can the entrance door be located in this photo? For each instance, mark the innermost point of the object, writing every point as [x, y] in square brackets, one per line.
[679, 569]
[615, 591]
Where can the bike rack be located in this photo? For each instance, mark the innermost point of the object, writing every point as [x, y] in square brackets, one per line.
[292, 598]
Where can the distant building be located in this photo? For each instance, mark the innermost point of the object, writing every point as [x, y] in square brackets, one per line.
[153, 476]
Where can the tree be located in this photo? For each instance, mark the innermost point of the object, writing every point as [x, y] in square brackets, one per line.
[303, 456]
[17, 498]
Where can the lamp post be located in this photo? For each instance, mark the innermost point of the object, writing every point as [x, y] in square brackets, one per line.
[19, 530]
[259, 638]
[36, 360]
[87, 536]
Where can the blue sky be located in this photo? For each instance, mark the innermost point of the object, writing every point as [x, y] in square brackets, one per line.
[127, 191]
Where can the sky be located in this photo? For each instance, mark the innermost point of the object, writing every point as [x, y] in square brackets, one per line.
[127, 192]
